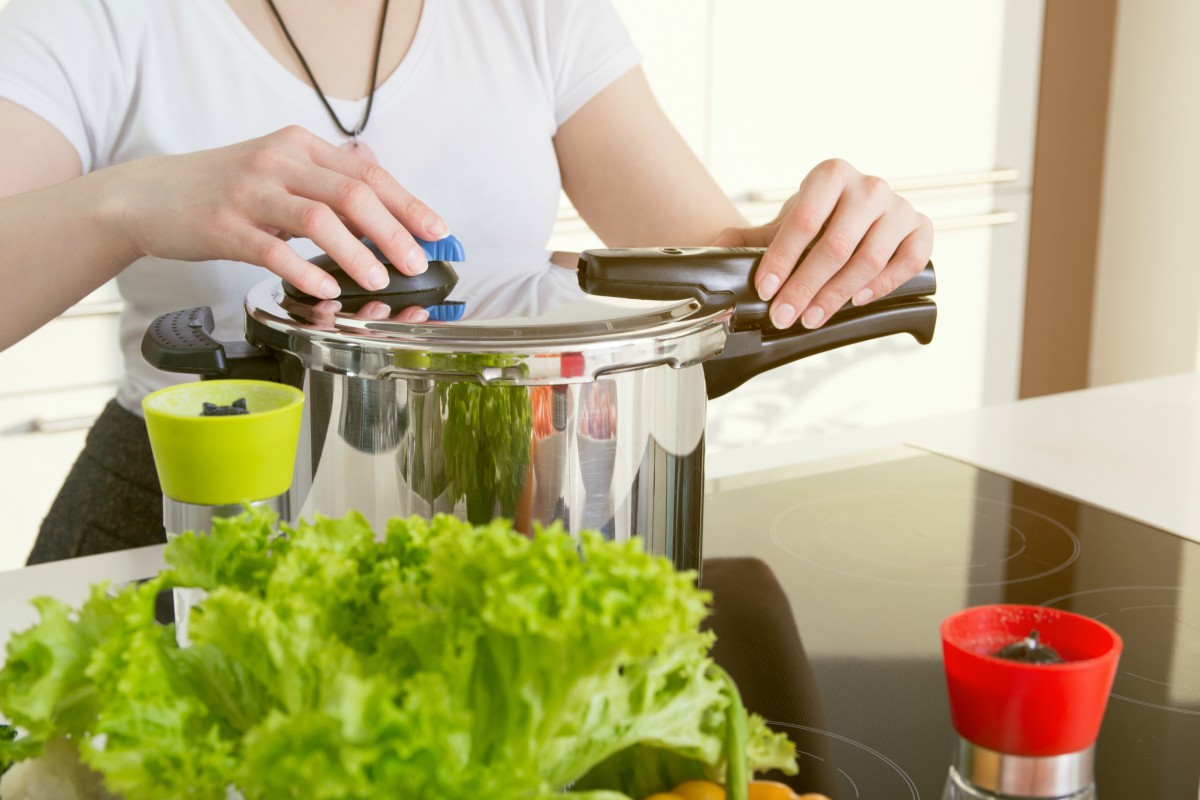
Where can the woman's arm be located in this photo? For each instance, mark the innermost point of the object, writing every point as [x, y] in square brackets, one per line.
[63, 235]
[631, 175]
[47, 217]
[635, 181]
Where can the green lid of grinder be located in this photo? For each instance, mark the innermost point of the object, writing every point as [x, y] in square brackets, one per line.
[224, 442]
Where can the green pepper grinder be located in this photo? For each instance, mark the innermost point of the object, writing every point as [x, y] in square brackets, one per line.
[218, 446]
[221, 444]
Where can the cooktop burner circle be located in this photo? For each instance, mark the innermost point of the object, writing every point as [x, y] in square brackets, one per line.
[933, 538]
[845, 768]
[1150, 620]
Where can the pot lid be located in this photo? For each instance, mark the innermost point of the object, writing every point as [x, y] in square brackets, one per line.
[527, 321]
[524, 315]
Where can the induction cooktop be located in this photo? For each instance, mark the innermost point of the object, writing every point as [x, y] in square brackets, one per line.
[829, 590]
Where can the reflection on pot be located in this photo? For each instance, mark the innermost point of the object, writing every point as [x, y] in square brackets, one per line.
[590, 455]
[598, 452]
[552, 411]
[485, 438]
[372, 419]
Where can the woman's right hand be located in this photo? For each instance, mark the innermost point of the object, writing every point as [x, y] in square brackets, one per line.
[243, 201]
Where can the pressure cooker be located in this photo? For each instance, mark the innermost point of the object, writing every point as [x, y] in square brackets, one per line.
[533, 391]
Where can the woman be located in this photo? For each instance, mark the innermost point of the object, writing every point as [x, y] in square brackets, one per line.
[179, 145]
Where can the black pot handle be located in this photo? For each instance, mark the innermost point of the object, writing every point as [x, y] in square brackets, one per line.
[182, 341]
[723, 277]
[749, 353]
[715, 276]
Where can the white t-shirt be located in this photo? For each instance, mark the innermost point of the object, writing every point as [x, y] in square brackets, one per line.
[465, 122]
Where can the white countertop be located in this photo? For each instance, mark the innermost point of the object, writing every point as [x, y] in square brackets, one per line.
[1133, 449]
[69, 581]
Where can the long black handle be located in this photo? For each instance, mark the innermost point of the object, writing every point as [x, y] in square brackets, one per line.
[715, 276]
[749, 353]
[182, 341]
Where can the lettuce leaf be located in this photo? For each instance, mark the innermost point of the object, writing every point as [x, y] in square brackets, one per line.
[441, 660]
[7, 735]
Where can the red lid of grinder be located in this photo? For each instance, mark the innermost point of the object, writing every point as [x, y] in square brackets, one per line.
[1023, 708]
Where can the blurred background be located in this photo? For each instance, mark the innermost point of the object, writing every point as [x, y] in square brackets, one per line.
[1055, 144]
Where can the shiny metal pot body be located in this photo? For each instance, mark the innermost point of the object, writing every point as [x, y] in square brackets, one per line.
[622, 454]
[597, 423]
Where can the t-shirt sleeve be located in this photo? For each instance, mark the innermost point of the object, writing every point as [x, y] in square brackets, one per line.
[64, 61]
[588, 48]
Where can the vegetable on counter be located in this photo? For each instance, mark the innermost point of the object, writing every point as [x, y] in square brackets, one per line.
[756, 790]
[443, 661]
[7, 734]
[699, 790]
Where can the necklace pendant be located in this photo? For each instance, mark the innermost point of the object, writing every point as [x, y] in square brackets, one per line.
[361, 150]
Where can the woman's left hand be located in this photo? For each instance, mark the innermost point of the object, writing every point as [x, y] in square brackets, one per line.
[842, 236]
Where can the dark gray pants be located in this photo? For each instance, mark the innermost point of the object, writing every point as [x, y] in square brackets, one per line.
[111, 499]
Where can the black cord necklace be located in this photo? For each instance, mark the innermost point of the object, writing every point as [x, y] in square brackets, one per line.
[362, 124]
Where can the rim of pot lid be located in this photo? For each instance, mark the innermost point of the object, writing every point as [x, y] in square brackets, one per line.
[509, 318]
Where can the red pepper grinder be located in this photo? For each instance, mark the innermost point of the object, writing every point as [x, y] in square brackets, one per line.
[1028, 688]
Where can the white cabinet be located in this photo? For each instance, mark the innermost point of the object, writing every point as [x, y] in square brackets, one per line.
[40, 438]
[77, 349]
[54, 383]
[901, 90]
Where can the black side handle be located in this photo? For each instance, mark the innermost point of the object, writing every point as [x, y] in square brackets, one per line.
[182, 341]
[715, 276]
[749, 353]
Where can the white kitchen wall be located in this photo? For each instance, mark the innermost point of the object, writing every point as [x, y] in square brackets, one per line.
[1147, 302]
[899, 89]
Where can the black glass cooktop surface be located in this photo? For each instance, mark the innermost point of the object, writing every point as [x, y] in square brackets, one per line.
[830, 589]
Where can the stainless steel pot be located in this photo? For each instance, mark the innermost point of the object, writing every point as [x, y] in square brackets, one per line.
[539, 394]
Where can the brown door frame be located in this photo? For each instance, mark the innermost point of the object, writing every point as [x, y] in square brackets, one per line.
[1077, 55]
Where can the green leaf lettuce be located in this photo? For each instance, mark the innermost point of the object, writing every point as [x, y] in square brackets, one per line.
[438, 661]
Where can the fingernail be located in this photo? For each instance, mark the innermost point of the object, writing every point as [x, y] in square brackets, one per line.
[768, 287]
[420, 315]
[436, 226]
[812, 318]
[378, 277]
[783, 315]
[329, 288]
[863, 297]
[378, 311]
[415, 261]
